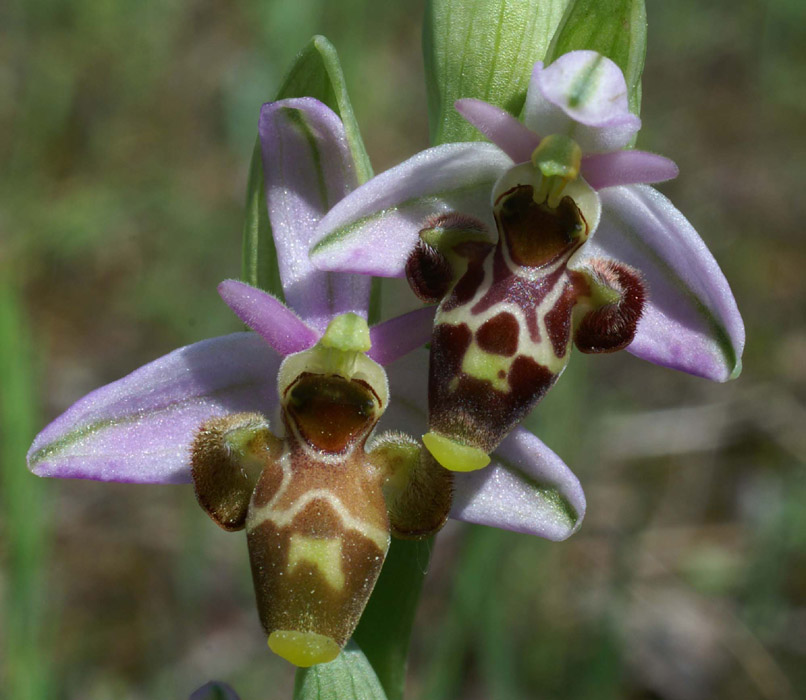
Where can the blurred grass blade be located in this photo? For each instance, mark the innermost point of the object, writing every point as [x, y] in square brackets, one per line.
[348, 677]
[27, 673]
[385, 627]
[316, 72]
[614, 28]
[483, 49]
[464, 631]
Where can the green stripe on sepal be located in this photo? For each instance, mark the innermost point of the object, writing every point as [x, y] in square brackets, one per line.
[614, 28]
[554, 501]
[316, 72]
[718, 332]
[349, 675]
[483, 49]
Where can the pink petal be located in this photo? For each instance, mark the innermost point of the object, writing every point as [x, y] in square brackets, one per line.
[280, 327]
[498, 125]
[372, 230]
[400, 335]
[583, 95]
[308, 168]
[525, 488]
[691, 322]
[139, 429]
[602, 170]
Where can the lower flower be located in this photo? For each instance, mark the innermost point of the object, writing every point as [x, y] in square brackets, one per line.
[312, 498]
[318, 496]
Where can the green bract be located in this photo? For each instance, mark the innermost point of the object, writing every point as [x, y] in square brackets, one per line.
[348, 676]
[614, 28]
[316, 72]
[483, 49]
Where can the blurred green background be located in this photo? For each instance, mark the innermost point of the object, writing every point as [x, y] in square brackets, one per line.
[125, 134]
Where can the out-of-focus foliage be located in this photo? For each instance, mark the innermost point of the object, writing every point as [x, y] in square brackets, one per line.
[25, 621]
[125, 135]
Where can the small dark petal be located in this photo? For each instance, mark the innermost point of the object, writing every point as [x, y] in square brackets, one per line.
[423, 508]
[428, 273]
[418, 490]
[455, 221]
[612, 326]
[223, 475]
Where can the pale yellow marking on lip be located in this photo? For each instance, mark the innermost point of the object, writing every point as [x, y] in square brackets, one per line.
[324, 554]
[487, 366]
[283, 518]
[541, 352]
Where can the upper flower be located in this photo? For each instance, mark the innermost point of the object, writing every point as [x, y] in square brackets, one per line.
[690, 320]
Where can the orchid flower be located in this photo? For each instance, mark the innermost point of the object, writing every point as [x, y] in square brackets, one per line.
[586, 254]
[317, 494]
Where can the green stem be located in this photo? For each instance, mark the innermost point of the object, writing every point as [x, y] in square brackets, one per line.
[385, 628]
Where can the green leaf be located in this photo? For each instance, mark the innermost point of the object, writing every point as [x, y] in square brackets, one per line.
[259, 257]
[483, 49]
[348, 677]
[316, 72]
[385, 627]
[614, 28]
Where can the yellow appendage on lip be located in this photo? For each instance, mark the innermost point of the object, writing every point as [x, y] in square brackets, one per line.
[453, 455]
[303, 648]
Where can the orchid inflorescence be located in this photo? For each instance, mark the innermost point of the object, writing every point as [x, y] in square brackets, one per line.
[545, 238]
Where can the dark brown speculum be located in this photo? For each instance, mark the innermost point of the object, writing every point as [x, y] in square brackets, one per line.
[330, 412]
[520, 219]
